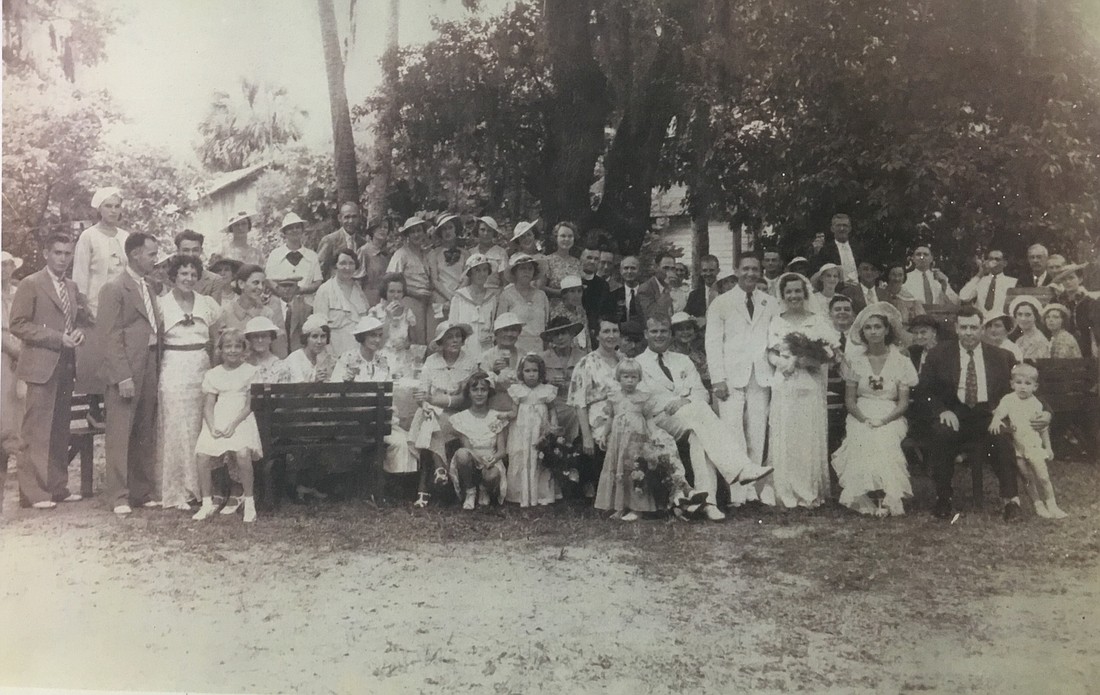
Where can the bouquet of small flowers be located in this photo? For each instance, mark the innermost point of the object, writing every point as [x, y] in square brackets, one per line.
[810, 352]
[655, 474]
[560, 457]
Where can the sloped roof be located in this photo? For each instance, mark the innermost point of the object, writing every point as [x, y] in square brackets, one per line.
[229, 179]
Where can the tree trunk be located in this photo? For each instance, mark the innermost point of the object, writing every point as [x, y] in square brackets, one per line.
[700, 193]
[382, 151]
[577, 116]
[347, 179]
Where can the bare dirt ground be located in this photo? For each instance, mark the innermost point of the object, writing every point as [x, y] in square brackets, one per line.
[348, 598]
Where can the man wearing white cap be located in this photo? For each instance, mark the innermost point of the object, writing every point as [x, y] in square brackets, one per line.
[291, 259]
[346, 237]
[99, 254]
[410, 261]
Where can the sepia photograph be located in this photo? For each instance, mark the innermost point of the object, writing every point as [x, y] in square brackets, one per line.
[550, 346]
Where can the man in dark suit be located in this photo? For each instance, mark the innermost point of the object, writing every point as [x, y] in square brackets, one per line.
[839, 249]
[596, 299]
[346, 237]
[654, 295]
[867, 290]
[699, 299]
[625, 299]
[47, 314]
[1037, 275]
[131, 327]
[961, 384]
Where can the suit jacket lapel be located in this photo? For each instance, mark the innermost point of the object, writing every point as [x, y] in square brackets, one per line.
[130, 285]
[51, 291]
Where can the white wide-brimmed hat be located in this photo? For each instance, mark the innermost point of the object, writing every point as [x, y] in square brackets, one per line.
[412, 223]
[368, 324]
[886, 309]
[571, 282]
[728, 274]
[998, 316]
[313, 323]
[444, 219]
[6, 257]
[682, 317]
[289, 220]
[821, 271]
[102, 194]
[507, 320]
[238, 217]
[260, 324]
[476, 259]
[522, 228]
[490, 223]
[1020, 300]
[445, 326]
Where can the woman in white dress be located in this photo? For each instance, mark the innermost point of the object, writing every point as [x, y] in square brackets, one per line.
[797, 422]
[313, 362]
[1031, 342]
[342, 302]
[870, 464]
[189, 318]
[526, 301]
[475, 305]
[826, 284]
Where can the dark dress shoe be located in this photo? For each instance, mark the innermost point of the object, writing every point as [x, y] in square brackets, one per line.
[1012, 512]
[942, 510]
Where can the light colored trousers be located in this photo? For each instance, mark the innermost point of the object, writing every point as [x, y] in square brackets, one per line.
[745, 419]
[709, 445]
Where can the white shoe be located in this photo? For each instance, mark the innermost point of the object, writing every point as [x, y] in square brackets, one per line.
[750, 474]
[712, 513]
[44, 504]
[629, 516]
[249, 510]
[182, 506]
[152, 504]
[232, 506]
[471, 499]
[73, 498]
[123, 509]
[204, 513]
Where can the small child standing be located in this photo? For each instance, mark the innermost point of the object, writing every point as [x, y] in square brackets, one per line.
[630, 434]
[1032, 448]
[529, 482]
[228, 424]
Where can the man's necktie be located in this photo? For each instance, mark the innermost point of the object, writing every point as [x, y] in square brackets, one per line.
[843, 340]
[629, 301]
[66, 306]
[927, 288]
[748, 304]
[992, 291]
[971, 390]
[663, 366]
[147, 300]
[295, 257]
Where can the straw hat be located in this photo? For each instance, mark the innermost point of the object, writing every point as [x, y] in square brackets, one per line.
[816, 277]
[6, 257]
[289, 220]
[507, 320]
[797, 259]
[102, 194]
[313, 323]
[876, 309]
[1068, 270]
[561, 324]
[522, 228]
[1060, 307]
[367, 324]
[217, 261]
[998, 316]
[442, 328]
[681, 317]
[443, 219]
[260, 324]
[237, 217]
[162, 259]
[728, 274]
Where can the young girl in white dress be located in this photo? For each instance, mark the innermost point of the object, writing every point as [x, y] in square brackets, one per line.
[1032, 448]
[228, 424]
[477, 467]
[529, 482]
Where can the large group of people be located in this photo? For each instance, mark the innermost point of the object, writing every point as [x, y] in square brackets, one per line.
[768, 383]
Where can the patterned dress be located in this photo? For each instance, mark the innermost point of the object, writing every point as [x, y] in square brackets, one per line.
[1033, 345]
[558, 267]
[593, 383]
[1064, 346]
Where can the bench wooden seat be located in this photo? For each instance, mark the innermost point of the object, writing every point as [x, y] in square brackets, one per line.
[1069, 388]
[82, 436]
[309, 420]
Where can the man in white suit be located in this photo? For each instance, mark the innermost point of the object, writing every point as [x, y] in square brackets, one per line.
[740, 374]
[678, 391]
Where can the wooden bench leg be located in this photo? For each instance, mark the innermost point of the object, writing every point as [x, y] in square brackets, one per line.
[87, 466]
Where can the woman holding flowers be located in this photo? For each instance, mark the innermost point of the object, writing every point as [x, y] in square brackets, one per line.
[870, 463]
[800, 346]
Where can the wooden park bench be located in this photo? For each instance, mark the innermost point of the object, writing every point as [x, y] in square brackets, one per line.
[311, 420]
[82, 434]
[1069, 388]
